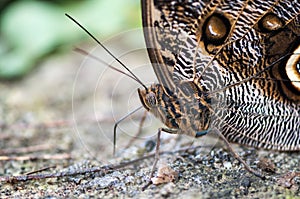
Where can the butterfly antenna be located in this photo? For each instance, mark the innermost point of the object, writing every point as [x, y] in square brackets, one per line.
[108, 51]
[81, 51]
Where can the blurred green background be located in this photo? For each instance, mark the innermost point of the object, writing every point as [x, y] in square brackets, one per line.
[31, 30]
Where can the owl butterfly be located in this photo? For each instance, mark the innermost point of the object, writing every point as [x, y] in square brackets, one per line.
[226, 66]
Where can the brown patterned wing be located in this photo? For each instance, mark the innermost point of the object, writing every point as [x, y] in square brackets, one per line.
[242, 57]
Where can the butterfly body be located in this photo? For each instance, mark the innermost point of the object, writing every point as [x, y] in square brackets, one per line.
[188, 116]
[232, 66]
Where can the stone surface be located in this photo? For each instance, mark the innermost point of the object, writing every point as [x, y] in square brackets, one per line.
[63, 108]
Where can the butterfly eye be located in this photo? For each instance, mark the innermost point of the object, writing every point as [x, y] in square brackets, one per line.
[216, 29]
[151, 99]
[269, 23]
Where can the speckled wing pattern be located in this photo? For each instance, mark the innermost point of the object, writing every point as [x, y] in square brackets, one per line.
[243, 64]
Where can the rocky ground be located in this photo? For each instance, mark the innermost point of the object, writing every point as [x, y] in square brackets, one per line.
[59, 120]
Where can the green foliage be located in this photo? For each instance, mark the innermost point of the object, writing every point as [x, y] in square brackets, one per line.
[30, 30]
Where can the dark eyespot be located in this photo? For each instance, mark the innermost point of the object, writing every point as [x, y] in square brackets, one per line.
[216, 29]
[270, 22]
[292, 69]
[289, 73]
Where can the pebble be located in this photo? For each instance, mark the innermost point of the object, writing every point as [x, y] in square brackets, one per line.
[227, 165]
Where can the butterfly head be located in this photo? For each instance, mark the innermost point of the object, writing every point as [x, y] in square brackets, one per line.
[178, 114]
[149, 97]
[162, 103]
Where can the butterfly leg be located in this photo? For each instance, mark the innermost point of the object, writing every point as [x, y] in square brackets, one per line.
[156, 158]
[171, 131]
[139, 132]
[116, 126]
[247, 167]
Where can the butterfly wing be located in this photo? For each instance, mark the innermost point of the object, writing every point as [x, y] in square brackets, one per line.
[161, 42]
[242, 63]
